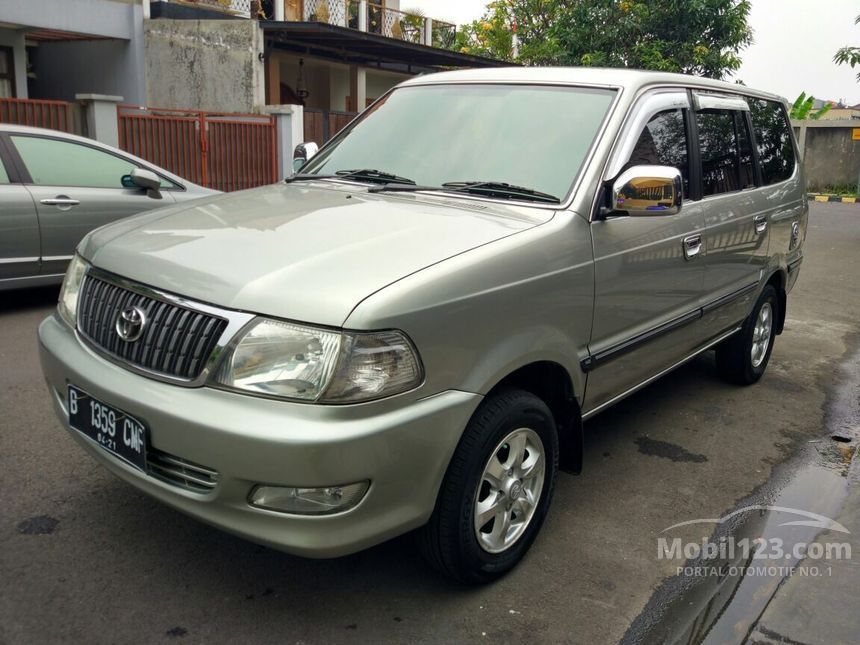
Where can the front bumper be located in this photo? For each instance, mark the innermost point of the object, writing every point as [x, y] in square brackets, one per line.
[403, 450]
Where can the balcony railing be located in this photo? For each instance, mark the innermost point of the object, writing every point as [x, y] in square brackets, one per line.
[240, 8]
[365, 15]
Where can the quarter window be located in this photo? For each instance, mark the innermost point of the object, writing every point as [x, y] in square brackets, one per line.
[663, 142]
[773, 141]
[51, 162]
[726, 152]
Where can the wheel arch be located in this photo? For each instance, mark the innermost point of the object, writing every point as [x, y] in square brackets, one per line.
[552, 383]
[778, 279]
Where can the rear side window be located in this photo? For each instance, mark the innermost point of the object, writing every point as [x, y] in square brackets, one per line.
[773, 140]
[719, 151]
[61, 163]
[726, 148]
[663, 142]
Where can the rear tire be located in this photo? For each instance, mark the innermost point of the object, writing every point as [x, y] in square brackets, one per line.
[503, 471]
[743, 358]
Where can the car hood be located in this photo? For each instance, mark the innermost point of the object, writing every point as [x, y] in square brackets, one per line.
[306, 252]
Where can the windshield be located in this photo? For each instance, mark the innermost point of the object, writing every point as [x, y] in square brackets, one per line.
[535, 137]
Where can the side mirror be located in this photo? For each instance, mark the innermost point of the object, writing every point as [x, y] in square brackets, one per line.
[648, 191]
[146, 179]
[303, 153]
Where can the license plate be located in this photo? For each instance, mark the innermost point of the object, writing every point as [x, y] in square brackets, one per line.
[114, 430]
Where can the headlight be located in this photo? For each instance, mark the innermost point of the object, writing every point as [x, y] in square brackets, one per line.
[282, 359]
[290, 361]
[68, 303]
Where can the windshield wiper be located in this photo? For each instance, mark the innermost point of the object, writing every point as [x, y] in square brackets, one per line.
[361, 174]
[500, 189]
[373, 175]
[391, 187]
[309, 176]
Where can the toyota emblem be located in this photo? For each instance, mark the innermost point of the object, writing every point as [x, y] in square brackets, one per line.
[130, 323]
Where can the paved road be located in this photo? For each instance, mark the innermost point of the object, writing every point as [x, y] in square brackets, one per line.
[85, 558]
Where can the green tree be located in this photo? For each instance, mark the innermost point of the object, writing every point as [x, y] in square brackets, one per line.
[493, 34]
[701, 37]
[802, 108]
[849, 55]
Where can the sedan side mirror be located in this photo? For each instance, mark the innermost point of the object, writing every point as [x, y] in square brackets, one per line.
[648, 191]
[146, 179]
[303, 153]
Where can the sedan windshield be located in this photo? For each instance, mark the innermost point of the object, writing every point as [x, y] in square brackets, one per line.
[534, 139]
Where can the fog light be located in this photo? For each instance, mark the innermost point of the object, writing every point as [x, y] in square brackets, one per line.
[308, 501]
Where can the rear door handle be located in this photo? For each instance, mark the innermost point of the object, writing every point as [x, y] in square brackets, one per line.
[61, 200]
[760, 222]
[692, 246]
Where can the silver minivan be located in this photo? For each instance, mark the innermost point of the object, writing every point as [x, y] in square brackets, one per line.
[409, 332]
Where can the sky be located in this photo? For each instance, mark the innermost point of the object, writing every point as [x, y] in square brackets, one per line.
[795, 41]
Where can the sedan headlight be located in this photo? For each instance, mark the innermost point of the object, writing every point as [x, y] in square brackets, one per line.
[285, 360]
[68, 303]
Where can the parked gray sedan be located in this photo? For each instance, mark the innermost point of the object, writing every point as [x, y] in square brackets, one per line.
[56, 187]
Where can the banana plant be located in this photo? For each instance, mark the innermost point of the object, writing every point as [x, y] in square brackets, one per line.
[802, 108]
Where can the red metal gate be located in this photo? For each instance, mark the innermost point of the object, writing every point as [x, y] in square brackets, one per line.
[322, 125]
[56, 115]
[224, 151]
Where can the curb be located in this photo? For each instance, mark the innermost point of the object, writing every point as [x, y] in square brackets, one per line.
[831, 198]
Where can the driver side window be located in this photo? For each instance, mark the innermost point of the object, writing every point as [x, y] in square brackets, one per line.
[52, 162]
[663, 142]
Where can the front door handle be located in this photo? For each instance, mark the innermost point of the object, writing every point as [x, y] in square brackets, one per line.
[692, 246]
[61, 201]
[760, 222]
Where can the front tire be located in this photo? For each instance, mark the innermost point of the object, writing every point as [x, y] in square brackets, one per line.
[743, 358]
[496, 491]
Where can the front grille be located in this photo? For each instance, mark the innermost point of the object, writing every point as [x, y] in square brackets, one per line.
[180, 472]
[176, 341]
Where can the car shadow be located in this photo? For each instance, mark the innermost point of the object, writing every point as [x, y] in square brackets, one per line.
[21, 300]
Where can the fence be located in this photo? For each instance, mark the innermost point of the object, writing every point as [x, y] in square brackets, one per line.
[830, 151]
[322, 125]
[56, 115]
[379, 19]
[223, 151]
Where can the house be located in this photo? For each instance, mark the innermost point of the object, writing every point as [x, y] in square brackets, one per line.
[302, 69]
[53, 49]
[333, 57]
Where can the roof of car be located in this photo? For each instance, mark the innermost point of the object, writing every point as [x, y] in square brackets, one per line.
[26, 129]
[633, 79]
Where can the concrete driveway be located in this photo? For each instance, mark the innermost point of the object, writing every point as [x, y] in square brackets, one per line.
[85, 558]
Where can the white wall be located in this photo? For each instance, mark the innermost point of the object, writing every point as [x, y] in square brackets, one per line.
[339, 76]
[378, 83]
[15, 39]
[329, 82]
